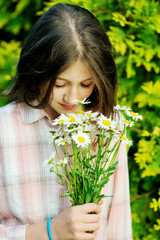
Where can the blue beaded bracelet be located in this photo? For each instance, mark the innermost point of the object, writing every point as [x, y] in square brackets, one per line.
[49, 228]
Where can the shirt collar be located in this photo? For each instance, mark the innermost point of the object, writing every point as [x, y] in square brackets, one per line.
[30, 114]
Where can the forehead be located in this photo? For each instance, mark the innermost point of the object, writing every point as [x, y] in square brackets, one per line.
[76, 72]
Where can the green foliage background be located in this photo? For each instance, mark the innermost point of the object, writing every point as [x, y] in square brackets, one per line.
[134, 30]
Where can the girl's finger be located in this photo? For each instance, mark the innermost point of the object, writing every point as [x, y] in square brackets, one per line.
[89, 227]
[100, 202]
[90, 207]
[90, 218]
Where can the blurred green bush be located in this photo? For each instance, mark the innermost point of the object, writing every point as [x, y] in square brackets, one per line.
[133, 28]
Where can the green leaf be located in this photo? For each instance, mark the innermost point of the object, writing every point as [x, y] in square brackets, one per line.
[91, 157]
[88, 197]
[114, 164]
[81, 199]
[100, 171]
[69, 156]
[86, 185]
[96, 171]
[66, 195]
[105, 179]
[111, 168]
[78, 173]
[95, 199]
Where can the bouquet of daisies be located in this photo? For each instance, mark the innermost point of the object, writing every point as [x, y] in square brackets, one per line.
[81, 170]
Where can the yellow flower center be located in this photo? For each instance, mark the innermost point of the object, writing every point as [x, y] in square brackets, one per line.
[57, 164]
[61, 121]
[62, 160]
[89, 115]
[72, 119]
[106, 122]
[134, 114]
[126, 121]
[123, 138]
[79, 112]
[64, 140]
[81, 139]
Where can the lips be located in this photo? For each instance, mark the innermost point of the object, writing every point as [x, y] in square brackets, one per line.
[67, 106]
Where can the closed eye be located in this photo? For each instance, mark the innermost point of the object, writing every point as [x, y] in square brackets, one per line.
[83, 85]
[59, 86]
[86, 86]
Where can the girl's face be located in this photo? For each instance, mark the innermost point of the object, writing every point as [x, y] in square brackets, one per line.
[73, 83]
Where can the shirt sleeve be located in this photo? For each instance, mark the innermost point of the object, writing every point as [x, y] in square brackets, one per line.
[12, 232]
[119, 217]
[10, 227]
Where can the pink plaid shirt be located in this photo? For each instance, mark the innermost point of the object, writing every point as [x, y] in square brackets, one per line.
[29, 193]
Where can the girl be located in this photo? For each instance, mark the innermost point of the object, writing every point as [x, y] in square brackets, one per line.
[66, 56]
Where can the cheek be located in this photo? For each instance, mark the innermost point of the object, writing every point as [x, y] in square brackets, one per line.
[88, 91]
[57, 94]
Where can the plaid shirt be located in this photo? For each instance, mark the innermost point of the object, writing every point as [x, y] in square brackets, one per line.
[29, 193]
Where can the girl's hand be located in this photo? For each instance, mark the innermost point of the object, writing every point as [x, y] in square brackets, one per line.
[75, 222]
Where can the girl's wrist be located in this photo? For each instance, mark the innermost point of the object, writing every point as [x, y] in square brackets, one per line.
[49, 228]
[37, 231]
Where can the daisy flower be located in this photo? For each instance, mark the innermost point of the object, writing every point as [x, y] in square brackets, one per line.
[62, 161]
[53, 131]
[72, 129]
[107, 135]
[116, 132]
[81, 101]
[134, 115]
[79, 112]
[127, 123]
[48, 161]
[85, 128]
[91, 115]
[73, 119]
[81, 139]
[123, 108]
[106, 123]
[62, 119]
[52, 157]
[88, 128]
[125, 140]
[62, 141]
[56, 135]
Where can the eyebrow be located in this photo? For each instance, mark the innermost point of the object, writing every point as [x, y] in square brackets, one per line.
[70, 81]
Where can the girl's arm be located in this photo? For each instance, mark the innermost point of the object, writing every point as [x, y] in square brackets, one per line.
[73, 223]
[119, 218]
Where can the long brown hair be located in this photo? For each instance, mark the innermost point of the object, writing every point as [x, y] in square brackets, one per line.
[62, 35]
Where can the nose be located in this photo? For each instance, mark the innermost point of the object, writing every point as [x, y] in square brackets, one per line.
[70, 94]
